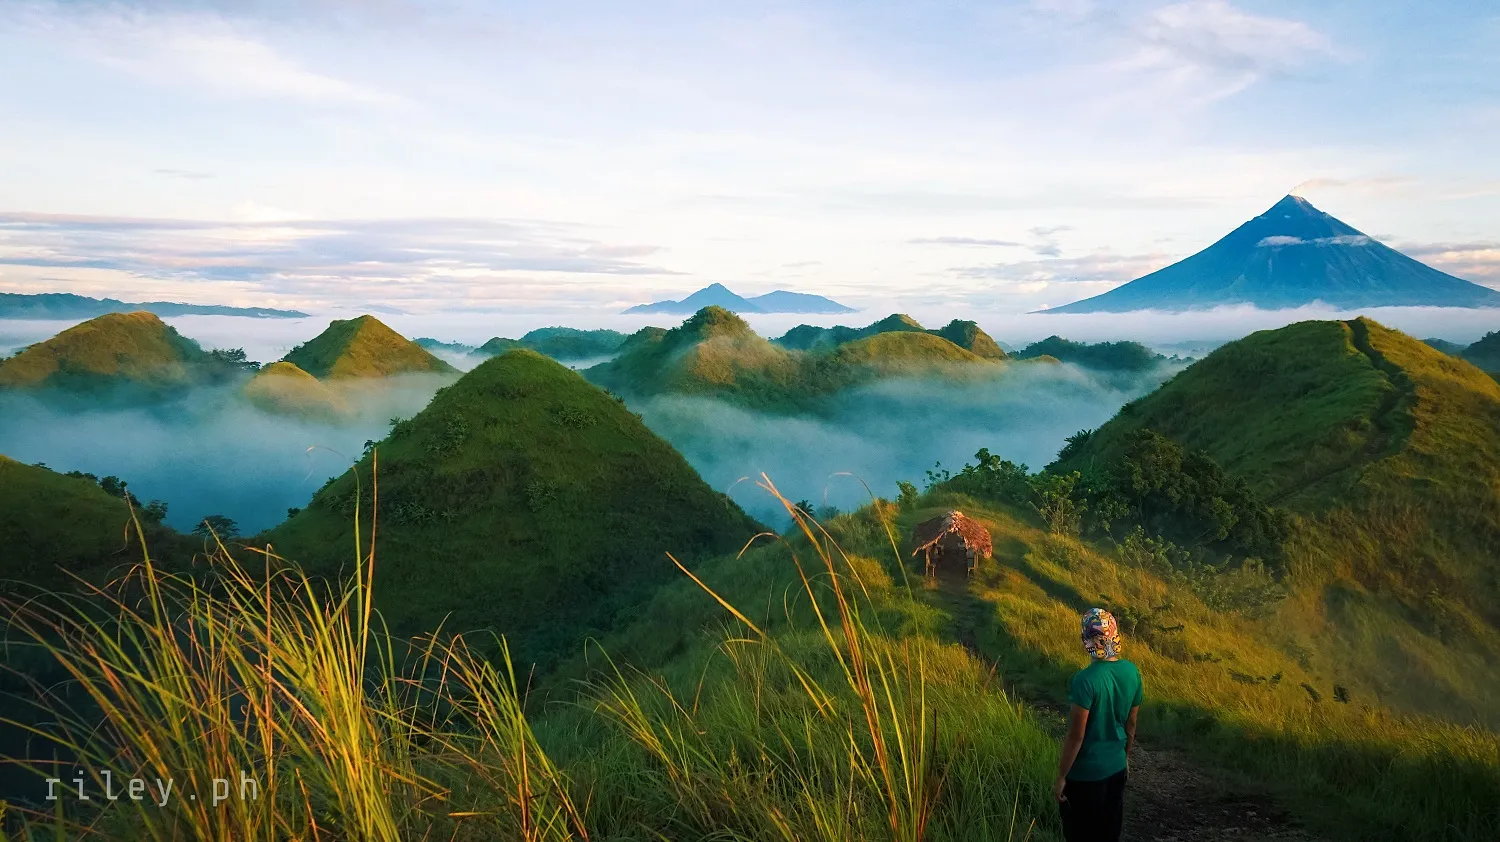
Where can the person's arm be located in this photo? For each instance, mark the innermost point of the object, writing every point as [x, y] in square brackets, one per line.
[1130, 730]
[1078, 719]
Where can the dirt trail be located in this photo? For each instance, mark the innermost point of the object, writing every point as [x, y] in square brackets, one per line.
[1170, 797]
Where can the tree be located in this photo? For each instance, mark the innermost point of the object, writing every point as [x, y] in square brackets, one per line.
[234, 358]
[154, 512]
[218, 526]
[1055, 503]
[907, 496]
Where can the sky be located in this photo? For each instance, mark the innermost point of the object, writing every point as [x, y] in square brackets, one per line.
[572, 157]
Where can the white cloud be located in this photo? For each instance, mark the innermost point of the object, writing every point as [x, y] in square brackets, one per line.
[201, 50]
[1214, 34]
[1340, 240]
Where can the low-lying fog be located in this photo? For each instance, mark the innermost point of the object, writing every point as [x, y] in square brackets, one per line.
[891, 431]
[212, 452]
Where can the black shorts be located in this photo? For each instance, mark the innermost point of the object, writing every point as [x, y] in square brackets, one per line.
[1094, 810]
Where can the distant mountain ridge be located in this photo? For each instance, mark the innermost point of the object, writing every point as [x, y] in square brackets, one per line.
[63, 305]
[1290, 256]
[718, 295]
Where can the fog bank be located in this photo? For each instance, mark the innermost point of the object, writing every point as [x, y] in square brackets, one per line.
[895, 430]
[210, 453]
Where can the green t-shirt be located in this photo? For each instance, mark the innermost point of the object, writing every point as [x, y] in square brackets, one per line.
[1108, 690]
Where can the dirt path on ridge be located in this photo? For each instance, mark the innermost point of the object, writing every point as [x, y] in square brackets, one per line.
[1170, 797]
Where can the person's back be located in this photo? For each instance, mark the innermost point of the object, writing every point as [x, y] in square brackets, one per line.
[1105, 697]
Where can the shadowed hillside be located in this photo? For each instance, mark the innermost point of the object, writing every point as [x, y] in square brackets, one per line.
[559, 343]
[120, 352]
[1101, 356]
[521, 499]
[1485, 353]
[363, 347]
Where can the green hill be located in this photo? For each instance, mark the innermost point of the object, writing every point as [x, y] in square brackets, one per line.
[716, 353]
[1450, 348]
[968, 336]
[1386, 452]
[559, 343]
[713, 352]
[964, 334]
[284, 389]
[116, 351]
[1102, 356]
[521, 499]
[1485, 353]
[363, 347]
[53, 525]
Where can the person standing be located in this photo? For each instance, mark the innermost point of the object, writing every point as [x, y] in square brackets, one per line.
[1106, 696]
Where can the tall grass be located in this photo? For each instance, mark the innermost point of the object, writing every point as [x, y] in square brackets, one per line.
[326, 727]
[827, 733]
[289, 690]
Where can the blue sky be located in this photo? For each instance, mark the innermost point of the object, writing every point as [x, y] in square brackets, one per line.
[573, 157]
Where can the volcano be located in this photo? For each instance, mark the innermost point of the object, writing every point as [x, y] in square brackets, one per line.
[1289, 256]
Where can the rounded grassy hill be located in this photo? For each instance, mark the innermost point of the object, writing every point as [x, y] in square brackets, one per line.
[521, 499]
[116, 350]
[284, 389]
[363, 347]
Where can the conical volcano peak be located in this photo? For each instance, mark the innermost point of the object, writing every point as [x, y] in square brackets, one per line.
[1292, 255]
[1292, 206]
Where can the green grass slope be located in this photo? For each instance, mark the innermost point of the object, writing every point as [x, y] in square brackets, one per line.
[363, 347]
[1387, 452]
[282, 388]
[53, 525]
[113, 351]
[521, 499]
[968, 336]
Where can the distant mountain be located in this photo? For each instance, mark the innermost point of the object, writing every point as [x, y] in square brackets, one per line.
[1290, 256]
[363, 347]
[524, 500]
[559, 343]
[126, 352]
[1453, 348]
[1103, 356]
[61, 305]
[965, 334]
[718, 295]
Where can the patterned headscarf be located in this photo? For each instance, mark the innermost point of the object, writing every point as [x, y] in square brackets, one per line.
[1101, 634]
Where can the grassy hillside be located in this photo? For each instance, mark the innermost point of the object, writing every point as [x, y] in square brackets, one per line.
[968, 336]
[363, 347]
[1387, 454]
[716, 353]
[1102, 356]
[284, 389]
[116, 351]
[521, 499]
[965, 334]
[567, 343]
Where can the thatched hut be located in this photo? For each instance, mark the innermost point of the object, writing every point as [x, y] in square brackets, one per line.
[950, 543]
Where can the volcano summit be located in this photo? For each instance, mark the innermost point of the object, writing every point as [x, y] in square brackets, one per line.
[1290, 256]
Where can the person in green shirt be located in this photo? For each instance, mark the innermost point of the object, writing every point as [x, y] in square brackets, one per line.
[1106, 696]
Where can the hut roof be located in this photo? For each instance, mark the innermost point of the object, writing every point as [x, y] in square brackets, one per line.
[975, 537]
